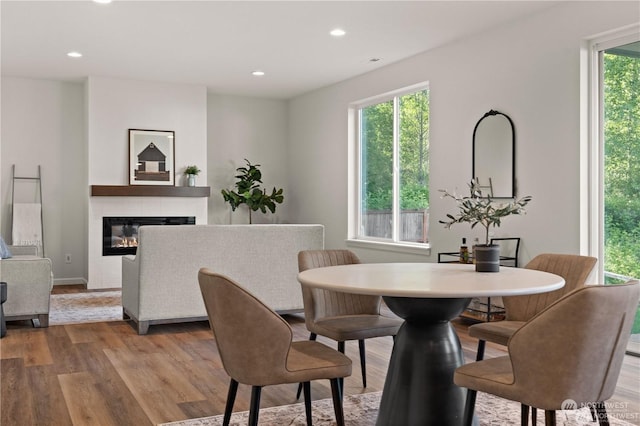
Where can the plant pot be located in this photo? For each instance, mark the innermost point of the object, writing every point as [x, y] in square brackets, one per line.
[487, 258]
[191, 180]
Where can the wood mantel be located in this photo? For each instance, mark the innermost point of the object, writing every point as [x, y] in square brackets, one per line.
[149, 191]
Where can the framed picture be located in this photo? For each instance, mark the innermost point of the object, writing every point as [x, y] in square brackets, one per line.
[151, 157]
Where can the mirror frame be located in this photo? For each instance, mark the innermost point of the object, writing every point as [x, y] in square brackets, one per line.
[492, 113]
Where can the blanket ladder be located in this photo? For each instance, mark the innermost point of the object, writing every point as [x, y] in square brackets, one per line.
[38, 182]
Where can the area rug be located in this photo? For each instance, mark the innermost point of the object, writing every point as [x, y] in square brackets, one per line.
[362, 410]
[93, 306]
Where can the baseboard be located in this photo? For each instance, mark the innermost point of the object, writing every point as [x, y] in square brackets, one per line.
[69, 281]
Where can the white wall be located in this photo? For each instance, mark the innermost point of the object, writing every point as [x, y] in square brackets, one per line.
[113, 107]
[255, 129]
[43, 124]
[529, 70]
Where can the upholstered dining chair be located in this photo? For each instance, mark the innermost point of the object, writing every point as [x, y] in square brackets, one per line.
[256, 347]
[342, 316]
[575, 270]
[579, 342]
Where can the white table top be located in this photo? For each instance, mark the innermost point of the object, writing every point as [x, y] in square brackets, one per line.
[436, 280]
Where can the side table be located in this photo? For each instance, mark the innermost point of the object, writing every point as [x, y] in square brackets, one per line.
[3, 298]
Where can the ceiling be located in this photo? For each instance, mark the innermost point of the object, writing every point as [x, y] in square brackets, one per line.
[219, 43]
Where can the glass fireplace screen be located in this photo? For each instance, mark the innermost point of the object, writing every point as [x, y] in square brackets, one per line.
[120, 234]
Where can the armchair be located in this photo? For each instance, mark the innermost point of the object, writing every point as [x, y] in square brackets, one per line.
[29, 279]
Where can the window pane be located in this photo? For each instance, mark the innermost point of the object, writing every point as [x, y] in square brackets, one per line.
[376, 173]
[621, 78]
[414, 166]
[394, 168]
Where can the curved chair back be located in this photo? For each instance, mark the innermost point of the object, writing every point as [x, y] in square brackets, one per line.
[319, 303]
[575, 270]
[252, 339]
[580, 343]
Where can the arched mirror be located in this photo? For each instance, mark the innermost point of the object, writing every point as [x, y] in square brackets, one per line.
[494, 144]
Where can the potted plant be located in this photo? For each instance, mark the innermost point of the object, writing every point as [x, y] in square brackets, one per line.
[477, 209]
[249, 192]
[191, 172]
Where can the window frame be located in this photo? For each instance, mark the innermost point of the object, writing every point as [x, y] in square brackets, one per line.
[354, 238]
[593, 155]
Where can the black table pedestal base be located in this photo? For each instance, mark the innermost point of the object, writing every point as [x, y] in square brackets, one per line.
[419, 388]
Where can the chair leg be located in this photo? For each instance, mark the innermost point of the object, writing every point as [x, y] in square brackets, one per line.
[312, 336]
[231, 399]
[341, 350]
[524, 415]
[534, 416]
[254, 408]
[601, 411]
[480, 350]
[307, 402]
[550, 417]
[336, 393]
[469, 407]
[363, 362]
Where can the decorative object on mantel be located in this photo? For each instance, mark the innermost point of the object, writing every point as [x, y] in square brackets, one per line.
[250, 193]
[191, 172]
[478, 209]
[151, 157]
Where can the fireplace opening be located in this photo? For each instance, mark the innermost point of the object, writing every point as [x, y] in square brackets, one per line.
[120, 234]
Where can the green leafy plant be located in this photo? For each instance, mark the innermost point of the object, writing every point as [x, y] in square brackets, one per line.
[191, 170]
[478, 209]
[249, 192]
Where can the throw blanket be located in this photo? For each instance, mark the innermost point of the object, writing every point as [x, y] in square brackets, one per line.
[27, 224]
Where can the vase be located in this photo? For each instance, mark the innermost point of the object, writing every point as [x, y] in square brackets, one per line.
[191, 180]
[487, 258]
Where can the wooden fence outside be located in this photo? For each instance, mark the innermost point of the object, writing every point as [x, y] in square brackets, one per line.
[414, 224]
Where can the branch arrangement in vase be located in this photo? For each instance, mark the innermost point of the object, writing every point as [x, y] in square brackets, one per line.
[477, 209]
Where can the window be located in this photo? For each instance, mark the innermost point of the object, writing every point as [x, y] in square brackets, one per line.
[393, 168]
[615, 148]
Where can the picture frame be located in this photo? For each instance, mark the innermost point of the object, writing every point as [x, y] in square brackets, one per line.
[151, 157]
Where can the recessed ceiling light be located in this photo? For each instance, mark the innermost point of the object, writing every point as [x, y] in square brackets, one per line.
[258, 73]
[74, 55]
[338, 32]
[102, 1]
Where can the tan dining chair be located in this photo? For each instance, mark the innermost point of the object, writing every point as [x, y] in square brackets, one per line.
[579, 341]
[256, 347]
[575, 270]
[342, 316]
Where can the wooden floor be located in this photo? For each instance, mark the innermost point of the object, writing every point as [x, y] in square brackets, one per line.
[105, 374]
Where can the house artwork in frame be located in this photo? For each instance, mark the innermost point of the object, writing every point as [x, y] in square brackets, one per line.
[151, 157]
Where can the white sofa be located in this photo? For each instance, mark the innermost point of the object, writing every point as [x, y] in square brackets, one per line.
[29, 279]
[160, 283]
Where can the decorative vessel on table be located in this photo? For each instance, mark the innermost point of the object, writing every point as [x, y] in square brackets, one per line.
[479, 209]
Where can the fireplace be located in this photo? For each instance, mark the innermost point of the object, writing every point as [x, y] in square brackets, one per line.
[120, 234]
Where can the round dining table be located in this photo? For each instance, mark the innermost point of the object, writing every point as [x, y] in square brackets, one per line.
[419, 388]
